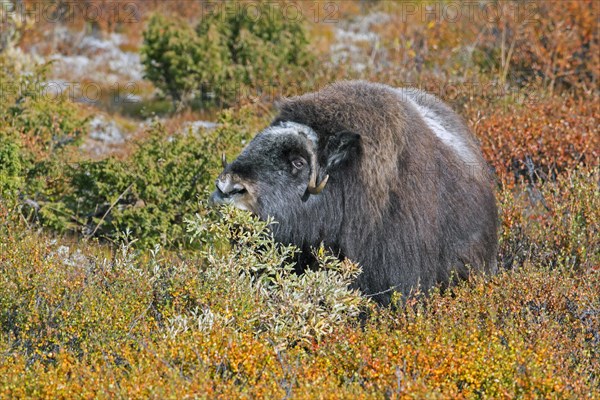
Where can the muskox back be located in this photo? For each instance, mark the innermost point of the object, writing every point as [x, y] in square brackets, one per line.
[409, 196]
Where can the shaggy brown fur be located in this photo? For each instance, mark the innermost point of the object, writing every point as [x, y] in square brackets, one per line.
[410, 208]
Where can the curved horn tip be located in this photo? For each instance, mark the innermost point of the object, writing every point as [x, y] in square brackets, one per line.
[223, 160]
[318, 189]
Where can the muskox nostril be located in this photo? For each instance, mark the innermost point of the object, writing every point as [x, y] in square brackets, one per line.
[229, 188]
[237, 189]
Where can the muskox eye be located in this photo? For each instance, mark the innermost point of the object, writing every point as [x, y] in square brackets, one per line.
[298, 163]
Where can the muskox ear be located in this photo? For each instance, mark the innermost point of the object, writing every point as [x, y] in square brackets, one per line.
[342, 147]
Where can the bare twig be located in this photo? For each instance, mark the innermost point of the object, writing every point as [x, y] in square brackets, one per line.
[110, 208]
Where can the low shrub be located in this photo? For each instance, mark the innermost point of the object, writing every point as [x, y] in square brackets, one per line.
[539, 140]
[172, 56]
[44, 179]
[43, 121]
[230, 50]
[148, 193]
[39, 128]
[549, 45]
[231, 320]
[288, 308]
[12, 164]
[554, 223]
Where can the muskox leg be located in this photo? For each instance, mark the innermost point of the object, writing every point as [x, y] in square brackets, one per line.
[305, 260]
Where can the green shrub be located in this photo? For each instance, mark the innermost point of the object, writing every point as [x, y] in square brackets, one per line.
[50, 123]
[149, 193]
[171, 56]
[227, 52]
[11, 167]
[36, 113]
[260, 46]
[37, 130]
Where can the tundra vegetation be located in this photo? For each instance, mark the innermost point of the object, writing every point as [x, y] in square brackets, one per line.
[116, 279]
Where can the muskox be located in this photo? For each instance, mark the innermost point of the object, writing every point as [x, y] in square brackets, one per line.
[390, 178]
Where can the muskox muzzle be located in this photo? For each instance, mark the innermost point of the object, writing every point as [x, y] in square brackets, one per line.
[226, 190]
[226, 187]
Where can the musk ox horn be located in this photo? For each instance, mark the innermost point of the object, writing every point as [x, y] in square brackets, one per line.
[223, 160]
[313, 187]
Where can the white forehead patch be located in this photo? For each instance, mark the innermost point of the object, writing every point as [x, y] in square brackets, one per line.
[292, 128]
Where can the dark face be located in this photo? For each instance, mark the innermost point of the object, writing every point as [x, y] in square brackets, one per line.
[277, 175]
[272, 172]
